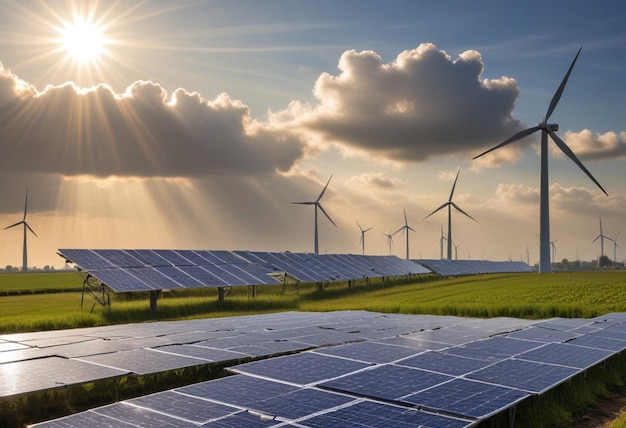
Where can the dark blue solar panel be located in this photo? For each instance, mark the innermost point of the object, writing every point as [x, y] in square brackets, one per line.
[466, 398]
[148, 257]
[244, 277]
[260, 273]
[154, 278]
[566, 355]
[85, 419]
[179, 276]
[209, 258]
[86, 259]
[239, 390]
[445, 363]
[599, 342]
[526, 375]
[241, 420]
[303, 369]
[368, 414]
[120, 280]
[494, 348]
[205, 277]
[300, 403]
[183, 406]
[611, 333]
[387, 382]
[173, 257]
[541, 334]
[119, 258]
[139, 416]
[370, 352]
[192, 256]
[227, 257]
[224, 273]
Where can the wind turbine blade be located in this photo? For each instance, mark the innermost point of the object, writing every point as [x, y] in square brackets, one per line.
[326, 214]
[25, 205]
[442, 206]
[513, 139]
[399, 230]
[369, 228]
[410, 228]
[323, 190]
[29, 228]
[595, 239]
[454, 185]
[360, 228]
[304, 203]
[565, 149]
[406, 222]
[13, 225]
[559, 92]
[461, 211]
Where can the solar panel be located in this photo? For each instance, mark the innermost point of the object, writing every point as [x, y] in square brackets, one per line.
[444, 363]
[446, 267]
[563, 354]
[120, 280]
[142, 361]
[540, 334]
[119, 258]
[388, 382]
[179, 276]
[227, 257]
[82, 420]
[86, 259]
[303, 369]
[239, 390]
[155, 279]
[369, 352]
[182, 406]
[225, 273]
[494, 348]
[148, 257]
[140, 417]
[203, 276]
[599, 342]
[467, 399]
[203, 353]
[369, 414]
[300, 403]
[173, 257]
[525, 375]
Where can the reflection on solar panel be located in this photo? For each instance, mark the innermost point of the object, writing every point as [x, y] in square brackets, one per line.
[368, 414]
[445, 267]
[366, 381]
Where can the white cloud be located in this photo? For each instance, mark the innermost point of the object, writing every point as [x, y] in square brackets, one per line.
[421, 105]
[142, 132]
[587, 145]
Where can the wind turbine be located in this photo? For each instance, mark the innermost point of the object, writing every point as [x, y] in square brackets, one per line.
[615, 246]
[602, 237]
[451, 204]
[317, 205]
[552, 244]
[26, 227]
[362, 241]
[443, 238]
[544, 203]
[406, 228]
[389, 240]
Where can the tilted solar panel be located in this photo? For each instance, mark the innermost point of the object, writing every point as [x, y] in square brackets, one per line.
[120, 281]
[86, 259]
[120, 258]
[148, 257]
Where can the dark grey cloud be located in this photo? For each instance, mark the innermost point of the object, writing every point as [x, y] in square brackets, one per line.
[421, 105]
[142, 132]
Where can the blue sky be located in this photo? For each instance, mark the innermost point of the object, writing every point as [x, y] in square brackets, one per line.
[197, 124]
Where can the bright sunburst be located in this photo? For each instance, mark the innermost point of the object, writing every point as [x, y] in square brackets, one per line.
[83, 41]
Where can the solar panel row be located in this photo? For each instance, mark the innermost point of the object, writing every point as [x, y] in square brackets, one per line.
[485, 367]
[445, 267]
[149, 270]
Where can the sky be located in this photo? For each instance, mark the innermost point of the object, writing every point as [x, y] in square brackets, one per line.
[195, 125]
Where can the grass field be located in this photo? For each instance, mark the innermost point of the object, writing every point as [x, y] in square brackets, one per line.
[579, 294]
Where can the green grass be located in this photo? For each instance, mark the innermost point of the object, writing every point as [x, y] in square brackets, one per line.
[533, 296]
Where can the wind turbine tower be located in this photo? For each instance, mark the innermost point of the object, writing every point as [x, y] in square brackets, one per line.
[441, 239]
[317, 205]
[601, 237]
[406, 228]
[362, 241]
[26, 229]
[449, 204]
[544, 198]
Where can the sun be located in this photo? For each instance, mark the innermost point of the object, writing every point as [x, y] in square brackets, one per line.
[83, 41]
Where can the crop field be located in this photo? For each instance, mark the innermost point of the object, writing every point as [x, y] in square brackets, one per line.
[43, 301]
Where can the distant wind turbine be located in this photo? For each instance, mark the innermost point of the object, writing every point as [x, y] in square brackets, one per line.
[389, 240]
[406, 228]
[443, 238]
[317, 205]
[615, 246]
[552, 244]
[601, 237]
[451, 204]
[26, 227]
[544, 204]
[362, 241]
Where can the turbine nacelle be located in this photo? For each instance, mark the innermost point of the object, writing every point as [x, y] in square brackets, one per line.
[549, 126]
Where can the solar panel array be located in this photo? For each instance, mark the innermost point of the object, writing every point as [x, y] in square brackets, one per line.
[150, 270]
[445, 267]
[384, 370]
